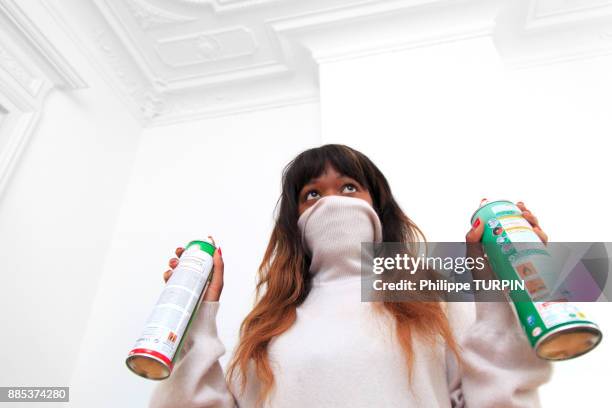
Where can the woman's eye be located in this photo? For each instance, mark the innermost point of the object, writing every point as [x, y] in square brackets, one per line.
[311, 195]
[349, 188]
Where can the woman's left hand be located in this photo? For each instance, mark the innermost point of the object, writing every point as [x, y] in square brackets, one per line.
[474, 235]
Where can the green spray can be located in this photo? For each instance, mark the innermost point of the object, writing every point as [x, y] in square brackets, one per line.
[157, 349]
[555, 328]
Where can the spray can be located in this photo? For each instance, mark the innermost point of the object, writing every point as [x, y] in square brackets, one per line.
[156, 350]
[555, 328]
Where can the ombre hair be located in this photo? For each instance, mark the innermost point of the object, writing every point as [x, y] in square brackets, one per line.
[284, 280]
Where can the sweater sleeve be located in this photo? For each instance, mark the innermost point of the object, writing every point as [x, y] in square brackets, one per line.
[197, 380]
[500, 369]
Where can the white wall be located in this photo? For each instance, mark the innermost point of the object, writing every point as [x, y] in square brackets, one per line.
[449, 125]
[218, 176]
[56, 220]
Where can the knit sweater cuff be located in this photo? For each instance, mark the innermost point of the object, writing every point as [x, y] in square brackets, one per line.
[205, 321]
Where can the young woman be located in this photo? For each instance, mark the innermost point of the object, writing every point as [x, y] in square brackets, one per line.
[310, 342]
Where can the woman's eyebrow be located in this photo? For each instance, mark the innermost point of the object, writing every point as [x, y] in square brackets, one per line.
[313, 182]
[349, 178]
[309, 184]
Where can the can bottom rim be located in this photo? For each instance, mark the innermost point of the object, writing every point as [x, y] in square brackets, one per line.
[568, 342]
[148, 365]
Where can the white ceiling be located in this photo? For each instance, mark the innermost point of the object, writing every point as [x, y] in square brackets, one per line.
[174, 60]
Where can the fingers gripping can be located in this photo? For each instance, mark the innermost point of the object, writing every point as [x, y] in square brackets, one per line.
[556, 328]
[156, 350]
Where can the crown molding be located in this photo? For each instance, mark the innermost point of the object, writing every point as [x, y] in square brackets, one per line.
[232, 76]
[58, 66]
[535, 33]
[178, 60]
[21, 111]
[548, 13]
[30, 67]
[185, 114]
[17, 129]
[150, 17]
[227, 6]
[26, 84]
[377, 27]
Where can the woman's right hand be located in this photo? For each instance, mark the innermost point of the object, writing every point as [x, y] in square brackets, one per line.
[215, 287]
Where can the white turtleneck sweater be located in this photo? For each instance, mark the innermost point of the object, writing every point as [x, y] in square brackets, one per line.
[340, 353]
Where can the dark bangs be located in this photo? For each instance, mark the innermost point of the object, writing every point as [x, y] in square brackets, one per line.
[311, 164]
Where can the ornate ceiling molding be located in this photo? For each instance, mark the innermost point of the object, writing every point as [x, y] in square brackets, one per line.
[19, 72]
[211, 46]
[30, 66]
[172, 60]
[135, 91]
[386, 26]
[542, 13]
[151, 17]
[55, 65]
[221, 6]
[531, 33]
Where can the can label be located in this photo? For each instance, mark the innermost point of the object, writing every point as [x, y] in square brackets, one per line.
[515, 252]
[169, 320]
[556, 313]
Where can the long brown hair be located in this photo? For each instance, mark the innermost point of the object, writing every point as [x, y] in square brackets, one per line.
[284, 280]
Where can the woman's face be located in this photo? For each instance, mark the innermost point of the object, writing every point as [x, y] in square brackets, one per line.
[330, 183]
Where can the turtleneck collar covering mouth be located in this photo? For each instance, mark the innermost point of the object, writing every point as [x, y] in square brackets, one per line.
[332, 231]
